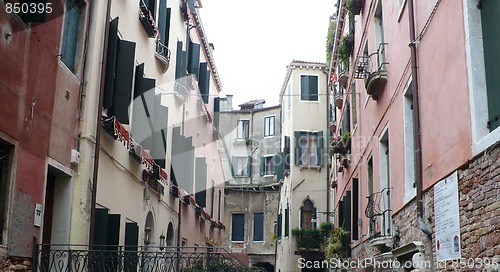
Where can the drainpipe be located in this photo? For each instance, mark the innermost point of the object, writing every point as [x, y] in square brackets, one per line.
[422, 225]
[99, 128]
[327, 149]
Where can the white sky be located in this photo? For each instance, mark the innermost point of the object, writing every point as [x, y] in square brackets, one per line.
[255, 41]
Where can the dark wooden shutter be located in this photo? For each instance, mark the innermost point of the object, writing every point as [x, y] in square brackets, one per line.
[184, 64]
[233, 165]
[304, 88]
[131, 243]
[249, 166]
[279, 226]
[218, 210]
[355, 208]
[262, 165]
[340, 213]
[320, 147]
[298, 150]
[286, 152]
[113, 231]
[278, 163]
[139, 75]
[490, 19]
[70, 34]
[287, 221]
[194, 59]
[201, 181]
[178, 61]
[204, 82]
[216, 112]
[166, 35]
[238, 227]
[162, 19]
[313, 88]
[347, 210]
[258, 226]
[109, 85]
[101, 227]
[123, 80]
[212, 199]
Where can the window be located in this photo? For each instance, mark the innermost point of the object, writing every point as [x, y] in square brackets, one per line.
[308, 215]
[218, 210]
[287, 220]
[150, 5]
[70, 33]
[308, 148]
[6, 154]
[268, 165]
[238, 227]
[243, 129]
[241, 166]
[309, 88]
[385, 172]
[258, 227]
[379, 33]
[269, 126]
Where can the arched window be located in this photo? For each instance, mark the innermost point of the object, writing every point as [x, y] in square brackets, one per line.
[308, 215]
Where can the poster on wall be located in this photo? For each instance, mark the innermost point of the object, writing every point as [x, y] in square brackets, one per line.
[447, 221]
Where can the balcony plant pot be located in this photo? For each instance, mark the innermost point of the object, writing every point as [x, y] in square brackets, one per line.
[343, 80]
[375, 83]
[338, 101]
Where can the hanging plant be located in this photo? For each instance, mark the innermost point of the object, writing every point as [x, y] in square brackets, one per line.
[336, 243]
[345, 50]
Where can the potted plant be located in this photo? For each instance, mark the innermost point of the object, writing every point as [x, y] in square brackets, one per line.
[354, 7]
[337, 242]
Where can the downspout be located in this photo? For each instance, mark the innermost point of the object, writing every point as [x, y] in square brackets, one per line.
[422, 225]
[327, 145]
[99, 128]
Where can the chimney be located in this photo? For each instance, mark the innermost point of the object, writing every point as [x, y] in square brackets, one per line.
[229, 102]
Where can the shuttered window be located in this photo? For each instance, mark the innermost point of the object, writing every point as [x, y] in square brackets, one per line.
[193, 66]
[241, 166]
[131, 243]
[355, 207]
[178, 61]
[309, 88]
[286, 153]
[267, 166]
[70, 33]
[490, 20]
[287, 220]
[164, 22]
[204, 82]
[238, 227]
[258, 226]
[308, 148]
[278, 234]
[201, 181]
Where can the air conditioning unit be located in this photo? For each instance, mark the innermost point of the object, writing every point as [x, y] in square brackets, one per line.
[75, 157]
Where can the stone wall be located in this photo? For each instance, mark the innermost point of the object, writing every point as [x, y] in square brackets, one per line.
[479, 205]
[14, 264]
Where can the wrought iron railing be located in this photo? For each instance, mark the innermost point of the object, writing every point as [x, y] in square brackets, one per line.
[378, 205]
[162, 53]
[56, 258]
[368, 64]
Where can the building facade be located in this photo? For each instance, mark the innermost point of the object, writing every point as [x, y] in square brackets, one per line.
[41, 81]
[252, 158]
[413, 122]
[304, 196]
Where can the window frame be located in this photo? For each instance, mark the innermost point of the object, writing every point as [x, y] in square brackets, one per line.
[245, 169]
[308, 139]
[78, 36]
[308, 93]
[233, 227]
[270, 165]
[243, 132]
[268, 127]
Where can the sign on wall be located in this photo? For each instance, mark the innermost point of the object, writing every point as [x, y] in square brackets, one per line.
[447, 221]
[38, 215]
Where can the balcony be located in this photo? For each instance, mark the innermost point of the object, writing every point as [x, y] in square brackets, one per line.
[147, 20]
[163, 54]
[373, 68]
[78, 258]
[308, 240]
[379, 206]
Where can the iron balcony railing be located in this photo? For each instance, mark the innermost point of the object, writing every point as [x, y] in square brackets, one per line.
[163, 53]
[378, 205]
[368, 64]
[56, 258]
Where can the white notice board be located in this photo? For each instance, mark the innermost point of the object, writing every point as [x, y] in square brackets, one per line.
[447, 220]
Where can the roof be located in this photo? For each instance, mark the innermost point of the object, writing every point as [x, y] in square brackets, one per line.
[252, 110]
[300, 64]
[253, 102]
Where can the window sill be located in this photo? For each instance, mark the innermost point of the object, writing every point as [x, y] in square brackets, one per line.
[268, 176]
[269, 136]
[237, 176]
[310, 166]
[485, 142]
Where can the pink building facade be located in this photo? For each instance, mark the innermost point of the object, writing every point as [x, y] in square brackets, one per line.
[385, 94]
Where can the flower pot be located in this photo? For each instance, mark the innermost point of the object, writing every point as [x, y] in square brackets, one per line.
[343, 80]
[338, 101]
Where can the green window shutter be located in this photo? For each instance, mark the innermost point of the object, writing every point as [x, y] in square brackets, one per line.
[279, 227]
[194, 59]
[347, 210]
[233, 165]
[166, 35]
[101, 227]
[178, 61]
[184, 64]
[287, 222]
[298, 150]
[286, 153]
[123, 80]
[249, 166]
[109, 83]
[262, 165]
[139, 75]
[275, 164]
[280, 166]
[204, 81]
[162, 18]
[355, 208]
[131, 243]
[320, 147]
[490, 19]
[313, 88]
[113, 231]
[304, 88]
[340, 214]
[70, 34]
[212, 201]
